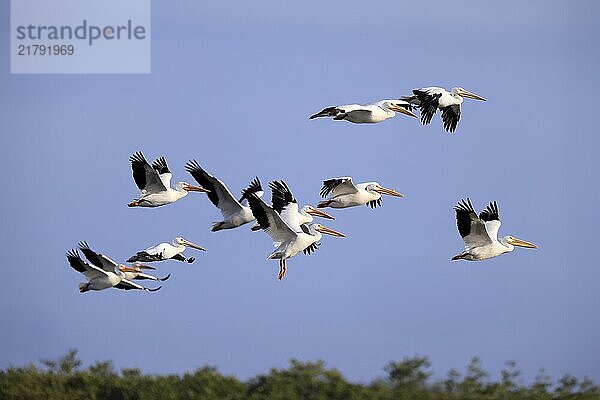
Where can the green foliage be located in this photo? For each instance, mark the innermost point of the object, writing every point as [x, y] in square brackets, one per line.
[410, 378]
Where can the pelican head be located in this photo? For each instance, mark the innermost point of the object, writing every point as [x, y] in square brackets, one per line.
[518, 242]
[400, 106]
[323, 229]
[376, 187]
[186, 187]
[179, 241]
[310, 210]
[458, 91]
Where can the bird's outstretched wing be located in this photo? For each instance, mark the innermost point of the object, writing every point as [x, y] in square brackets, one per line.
[311, 248]
[254, 187]
[88, 270]
[470, 226]
[219, 194]
[97, 259]
[126, 284]
[285, 204]
[146, 178]
[491, 218]
[160, 165]
[270, 221]
[450, 117]
[429, 100]
[338, 186]
[327, 112]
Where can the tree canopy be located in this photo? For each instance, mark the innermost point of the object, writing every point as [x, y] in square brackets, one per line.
[410, 378]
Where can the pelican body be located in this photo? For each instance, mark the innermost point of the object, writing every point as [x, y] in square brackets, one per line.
[166, 251]
[480, 233]
[344, 193]
[101, 273]
[289, 238]
[234, 213]
[430, 99]
[367, 113]
[154, 182]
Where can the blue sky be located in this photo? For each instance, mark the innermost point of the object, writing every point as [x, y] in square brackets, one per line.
[232, 87]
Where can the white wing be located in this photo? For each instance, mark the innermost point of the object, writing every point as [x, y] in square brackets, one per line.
[219, 194]
[166, 179]
[491, 217]
[432, 90]
[470, 226]
[97, 259]
[88, 270]
[285, 204]
[161, 167]
[291, 216]
[144, 175]
[158, 249]
[271, 222]
[491, 228]
[338, 186]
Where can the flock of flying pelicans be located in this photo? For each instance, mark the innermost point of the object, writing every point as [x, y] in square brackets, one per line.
[291, 227]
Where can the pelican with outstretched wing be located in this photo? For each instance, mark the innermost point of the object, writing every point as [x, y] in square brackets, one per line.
[430, 99]
[154, 182]
[234, 212]
[99, 279]
[344, 193]
[289, 238]
[366, 113]
[133, 272]
[480, 233]
[166, 251]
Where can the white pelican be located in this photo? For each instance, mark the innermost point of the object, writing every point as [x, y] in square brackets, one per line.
[155, 183]
[344, 193]
[367, 113]
[166, 251]
[287, 206]
[481, 233]
[130, 273]
[234, 213]
[429, 99]
[99, 279]
[288, 240]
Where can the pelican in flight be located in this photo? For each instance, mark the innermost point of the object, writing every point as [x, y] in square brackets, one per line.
[154, 182]
[234, 212]
[133, 272]
[166, 251]
[344, 193]
[288, 240]
[480, 233]
[287, 206]
[367, 113]
[429, 99]
[99, 279]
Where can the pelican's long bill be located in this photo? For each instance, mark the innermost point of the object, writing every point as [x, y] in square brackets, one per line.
[466, 93]
[402, 110]
[522, 243]
[318, 213]
[191, 188]
[192, 245]
[128, 269]
[327, 231]
[389, 192]
[142, 266]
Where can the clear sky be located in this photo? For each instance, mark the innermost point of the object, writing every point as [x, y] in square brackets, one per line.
[232, 86]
